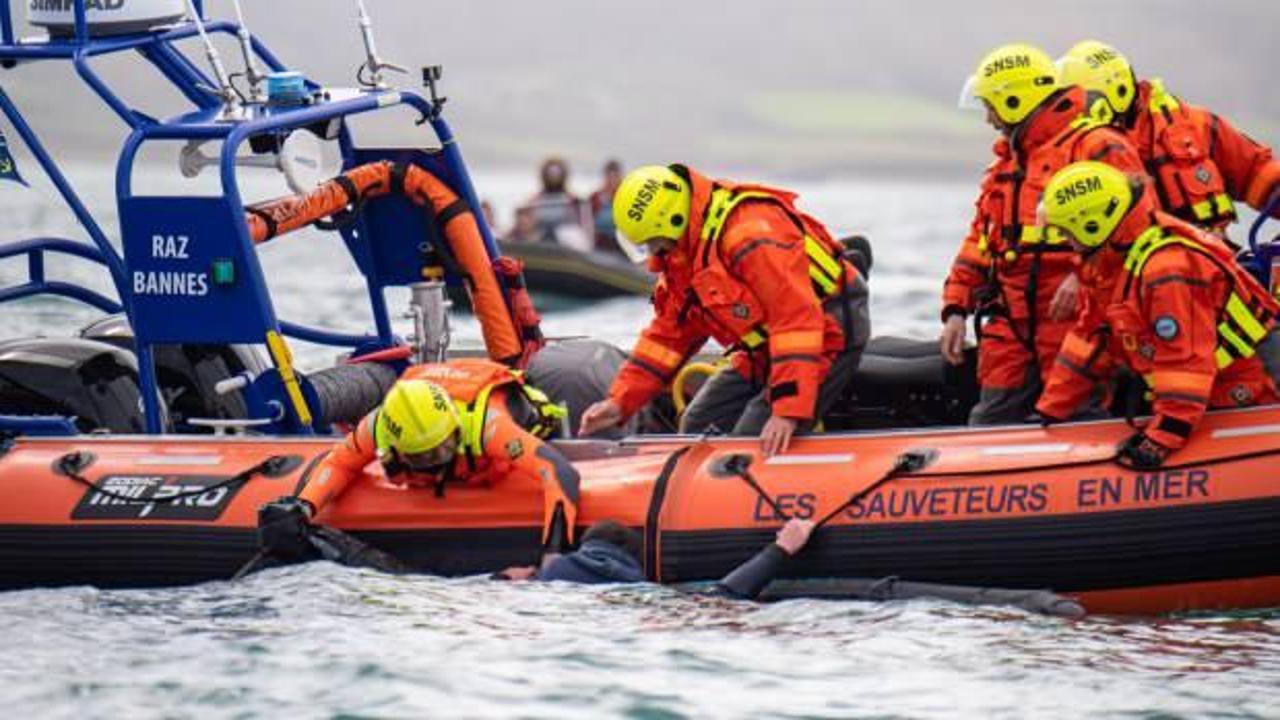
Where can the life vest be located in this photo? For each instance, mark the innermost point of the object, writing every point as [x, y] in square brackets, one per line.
[1014, 193]
[470, 382]
[717, 288]
[1245, 316]
[1190, 183]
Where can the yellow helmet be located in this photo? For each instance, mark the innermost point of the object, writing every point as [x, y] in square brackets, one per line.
[1013, 80]
[1100, 68]
[1087, 200]
[416, 416]
[651, 203]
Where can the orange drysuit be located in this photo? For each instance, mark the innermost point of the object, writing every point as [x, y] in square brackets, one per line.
[1009, 259]
[1200, 161]
[1168, 301]
[751, 271]
[494, 445]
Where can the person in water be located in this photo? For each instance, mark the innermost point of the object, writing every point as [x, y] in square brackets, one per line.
[741, 264]
[610, 553]
[1163, 298]
[469, 421]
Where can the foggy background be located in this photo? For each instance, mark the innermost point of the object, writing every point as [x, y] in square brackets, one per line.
[784, 89]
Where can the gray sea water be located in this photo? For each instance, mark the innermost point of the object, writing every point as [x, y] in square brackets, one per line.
[324, 641]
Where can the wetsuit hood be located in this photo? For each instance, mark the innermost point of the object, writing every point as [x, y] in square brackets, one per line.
[595, 562]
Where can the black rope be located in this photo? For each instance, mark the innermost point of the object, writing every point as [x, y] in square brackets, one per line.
[904, 464]
[909, 465]
[72, 463]
[737, 465]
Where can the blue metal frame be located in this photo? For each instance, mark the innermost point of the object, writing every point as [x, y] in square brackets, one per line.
[36, 284]
[199, 124]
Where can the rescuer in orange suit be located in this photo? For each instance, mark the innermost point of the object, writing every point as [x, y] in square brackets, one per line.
[1164, 298]
[741, 264]
[464, 421]
[1200, 162]
[1019, 278]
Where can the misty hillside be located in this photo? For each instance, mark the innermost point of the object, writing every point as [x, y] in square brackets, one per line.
[805, 87]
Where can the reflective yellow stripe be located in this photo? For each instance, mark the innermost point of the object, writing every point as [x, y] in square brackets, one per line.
[1228, 337]
[661, 355]
[1225, 205]
[723, 201]
[753, 339]
[1151, 239]
[473, 425]
[1222, 357]
[983, 241]
[820, 256]
[1160, 98]
[1239, 312]
[1203, 210]
[827, 284]
[803, 341]
[550, 415]
[284, 364]
[1035, 235]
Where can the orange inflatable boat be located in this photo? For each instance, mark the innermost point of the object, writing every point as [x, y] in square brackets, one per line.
[1020, 507]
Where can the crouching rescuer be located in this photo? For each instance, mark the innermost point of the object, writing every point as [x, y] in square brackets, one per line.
[469, 421]
[1163, 298]
[741, 264]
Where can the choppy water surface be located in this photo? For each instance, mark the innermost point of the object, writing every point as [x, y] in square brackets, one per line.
[327, 641]
[330, 641]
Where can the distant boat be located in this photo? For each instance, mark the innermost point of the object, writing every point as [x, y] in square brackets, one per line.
[558, 270]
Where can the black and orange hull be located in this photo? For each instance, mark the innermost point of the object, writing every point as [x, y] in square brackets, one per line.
[1002, 507]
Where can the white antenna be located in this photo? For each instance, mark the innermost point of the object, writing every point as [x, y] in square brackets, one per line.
[372, 61]
[231, 109]
[255, 78]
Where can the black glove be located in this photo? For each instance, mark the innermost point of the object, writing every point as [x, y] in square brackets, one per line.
[1141, 452]
[284, 525]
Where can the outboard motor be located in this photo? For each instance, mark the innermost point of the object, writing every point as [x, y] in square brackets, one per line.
[93, 382]
[188, 374]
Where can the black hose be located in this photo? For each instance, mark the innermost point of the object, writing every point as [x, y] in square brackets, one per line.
[347, 393]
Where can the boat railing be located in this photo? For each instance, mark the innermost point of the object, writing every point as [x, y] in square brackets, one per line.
[38, 284]
[221, 292]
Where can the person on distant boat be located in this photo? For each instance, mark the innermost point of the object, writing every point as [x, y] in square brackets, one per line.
[610, 553]
[1022, 280]
[468, 421]
[1199, 161]
[602, 209]
[562, 218]
[1164, 298]
[525, 228]
[741, 264]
